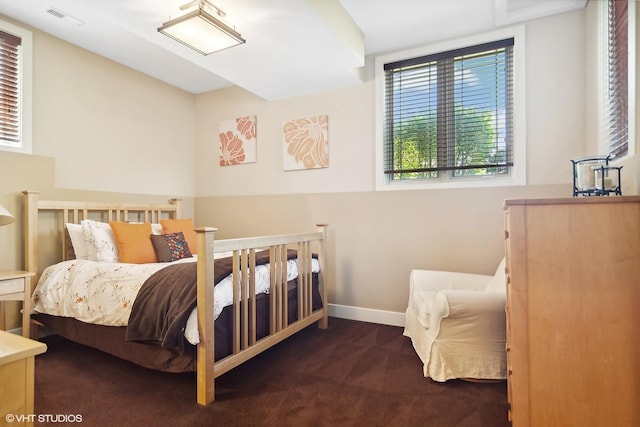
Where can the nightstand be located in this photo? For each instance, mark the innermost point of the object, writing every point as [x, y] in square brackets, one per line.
[15, 285]
[17, 376]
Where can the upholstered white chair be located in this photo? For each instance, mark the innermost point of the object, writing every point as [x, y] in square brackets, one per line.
[457, 323]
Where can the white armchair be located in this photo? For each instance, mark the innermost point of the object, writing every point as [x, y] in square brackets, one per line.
[457, 323]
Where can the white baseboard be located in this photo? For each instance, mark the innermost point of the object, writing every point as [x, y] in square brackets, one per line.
[382, 317]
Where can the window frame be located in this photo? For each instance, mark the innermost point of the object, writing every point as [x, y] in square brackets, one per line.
[603, 143]
[518, 170]
[26, 88]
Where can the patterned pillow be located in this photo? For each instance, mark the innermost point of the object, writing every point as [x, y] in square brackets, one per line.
[170, 247]
[186, 227]
[100, 241]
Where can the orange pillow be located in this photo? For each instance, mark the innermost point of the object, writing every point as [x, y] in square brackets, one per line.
[134, 242]
[182, 225]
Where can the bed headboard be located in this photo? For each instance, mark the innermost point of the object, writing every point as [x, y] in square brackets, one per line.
[61, 212]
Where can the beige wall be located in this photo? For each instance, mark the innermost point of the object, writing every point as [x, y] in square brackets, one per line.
[378, 237]
[351, 149]
[108, 127]
[102, 131]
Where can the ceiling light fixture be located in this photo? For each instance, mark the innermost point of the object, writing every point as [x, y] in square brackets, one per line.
[202, 31]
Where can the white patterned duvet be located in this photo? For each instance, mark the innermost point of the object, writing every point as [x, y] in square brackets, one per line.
[103, 293]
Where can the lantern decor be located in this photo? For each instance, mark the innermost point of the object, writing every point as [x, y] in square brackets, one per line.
[593, 176]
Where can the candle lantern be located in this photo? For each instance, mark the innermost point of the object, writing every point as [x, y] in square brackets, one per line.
[608, 180]
[593, 176]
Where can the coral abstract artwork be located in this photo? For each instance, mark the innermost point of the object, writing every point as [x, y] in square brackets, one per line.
[306, 144]
[238, 141]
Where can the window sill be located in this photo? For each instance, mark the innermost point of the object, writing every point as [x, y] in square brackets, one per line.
[382, 185]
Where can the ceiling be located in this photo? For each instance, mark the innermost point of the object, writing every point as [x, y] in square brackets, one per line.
[294, 47]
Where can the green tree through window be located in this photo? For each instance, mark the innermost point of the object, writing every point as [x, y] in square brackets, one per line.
[450, 112]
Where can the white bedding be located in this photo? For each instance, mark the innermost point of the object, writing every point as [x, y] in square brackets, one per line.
[103, 293]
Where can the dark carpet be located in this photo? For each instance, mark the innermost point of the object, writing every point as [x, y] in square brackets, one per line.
[352, 374]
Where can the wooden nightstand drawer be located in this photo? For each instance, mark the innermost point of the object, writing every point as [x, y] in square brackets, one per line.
[15, 285]
[12, 286]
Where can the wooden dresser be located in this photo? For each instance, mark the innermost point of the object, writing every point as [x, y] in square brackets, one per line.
[573, 311]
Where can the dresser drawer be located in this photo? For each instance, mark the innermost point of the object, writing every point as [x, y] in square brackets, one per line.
[11, 286]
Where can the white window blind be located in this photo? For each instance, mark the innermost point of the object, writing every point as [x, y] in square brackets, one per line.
[450, 112]
[10, 114]
[616, 112]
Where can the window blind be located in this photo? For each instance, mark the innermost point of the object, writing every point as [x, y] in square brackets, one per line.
[616, 125]
[450, 111]
[10, 89]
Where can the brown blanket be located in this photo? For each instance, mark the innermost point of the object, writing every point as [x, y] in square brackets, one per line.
[166, 299]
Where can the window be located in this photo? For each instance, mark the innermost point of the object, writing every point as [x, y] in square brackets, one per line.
[617, 121]
[448, 117]
[15, 88]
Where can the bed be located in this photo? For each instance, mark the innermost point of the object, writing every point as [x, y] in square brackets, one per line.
[267, 287]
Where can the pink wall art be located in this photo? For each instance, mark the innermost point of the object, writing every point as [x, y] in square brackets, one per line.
[238, 141]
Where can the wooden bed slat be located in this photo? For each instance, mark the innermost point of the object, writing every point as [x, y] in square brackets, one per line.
[245, 297]
[273, 299]
[284, 291]
[304, 279]
[236, 302]
[280, 262]
[253, 329]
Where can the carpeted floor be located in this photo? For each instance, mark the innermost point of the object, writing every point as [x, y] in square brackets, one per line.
[353, 374]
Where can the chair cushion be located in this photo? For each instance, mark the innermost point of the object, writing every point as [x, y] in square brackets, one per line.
[498, 282]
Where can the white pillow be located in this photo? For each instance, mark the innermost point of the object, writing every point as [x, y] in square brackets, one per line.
[100, 241]
[77, 240]
[155, 227]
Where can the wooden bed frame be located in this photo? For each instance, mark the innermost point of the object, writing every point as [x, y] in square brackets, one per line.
[245, 345]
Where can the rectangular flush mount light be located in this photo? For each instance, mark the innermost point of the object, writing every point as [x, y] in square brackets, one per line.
[201, 31]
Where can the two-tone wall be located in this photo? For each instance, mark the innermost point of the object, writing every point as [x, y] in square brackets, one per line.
[102, 131]
[379, 236]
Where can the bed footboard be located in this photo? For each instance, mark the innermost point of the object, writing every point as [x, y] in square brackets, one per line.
[245, 344]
